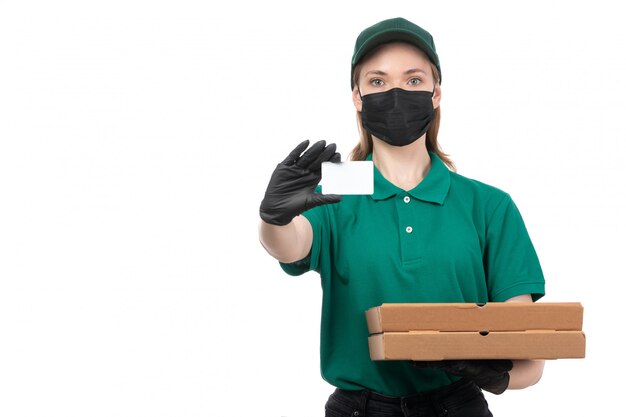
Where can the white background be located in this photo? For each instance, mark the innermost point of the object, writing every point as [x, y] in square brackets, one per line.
[137, 139]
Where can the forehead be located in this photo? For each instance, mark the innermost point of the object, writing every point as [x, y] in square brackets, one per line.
[396, 56]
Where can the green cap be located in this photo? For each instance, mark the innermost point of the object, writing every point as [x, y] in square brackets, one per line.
[393, 30]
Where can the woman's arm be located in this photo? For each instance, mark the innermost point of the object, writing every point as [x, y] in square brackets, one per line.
[283, 232]
[525, 372]
[288, 243]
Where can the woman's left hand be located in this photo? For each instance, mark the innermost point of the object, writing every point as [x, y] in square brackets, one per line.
[489, 374]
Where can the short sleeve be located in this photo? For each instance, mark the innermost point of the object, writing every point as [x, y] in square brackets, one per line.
[316, 216]
[511, 264]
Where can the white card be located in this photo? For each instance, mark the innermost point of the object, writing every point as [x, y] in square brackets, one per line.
[349, 177]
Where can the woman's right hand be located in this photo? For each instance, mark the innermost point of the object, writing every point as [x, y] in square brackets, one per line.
[291, 190]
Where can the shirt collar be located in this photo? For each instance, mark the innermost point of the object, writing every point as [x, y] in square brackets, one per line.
[433, 188]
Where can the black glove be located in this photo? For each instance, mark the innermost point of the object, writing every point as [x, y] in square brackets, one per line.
[490, 374]
[291, 188]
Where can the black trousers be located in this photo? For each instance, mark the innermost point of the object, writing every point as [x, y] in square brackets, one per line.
[460, 399]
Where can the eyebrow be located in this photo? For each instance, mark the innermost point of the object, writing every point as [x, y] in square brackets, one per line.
[414, 70]
[409, 71]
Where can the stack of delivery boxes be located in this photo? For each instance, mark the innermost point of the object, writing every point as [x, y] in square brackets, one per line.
[440, 331]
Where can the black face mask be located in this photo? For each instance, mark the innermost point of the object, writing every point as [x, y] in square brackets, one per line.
[397, 116]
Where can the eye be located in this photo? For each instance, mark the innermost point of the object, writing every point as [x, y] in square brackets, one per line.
[415, 81]
[376, 82]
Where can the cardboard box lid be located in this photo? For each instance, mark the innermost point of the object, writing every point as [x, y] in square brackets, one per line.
[493, 316]
[432, 345]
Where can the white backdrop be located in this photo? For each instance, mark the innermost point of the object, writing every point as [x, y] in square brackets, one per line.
[137, 139]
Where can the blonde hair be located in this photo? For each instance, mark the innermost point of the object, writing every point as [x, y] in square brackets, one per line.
[365, 145]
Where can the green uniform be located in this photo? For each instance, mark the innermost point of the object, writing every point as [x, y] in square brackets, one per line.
[450, 239]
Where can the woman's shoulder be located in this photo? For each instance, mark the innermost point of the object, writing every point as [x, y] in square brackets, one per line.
[477, 189]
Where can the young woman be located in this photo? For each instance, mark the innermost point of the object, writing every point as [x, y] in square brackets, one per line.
[427, 234]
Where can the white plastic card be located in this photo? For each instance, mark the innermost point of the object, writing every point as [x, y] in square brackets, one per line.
[349, 177]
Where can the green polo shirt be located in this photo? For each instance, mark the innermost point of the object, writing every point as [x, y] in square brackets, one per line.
[449, 239]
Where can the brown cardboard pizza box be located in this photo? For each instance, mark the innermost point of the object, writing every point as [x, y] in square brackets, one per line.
[437, 331]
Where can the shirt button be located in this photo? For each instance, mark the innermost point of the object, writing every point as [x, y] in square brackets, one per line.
[407, 199]
[409, 229]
